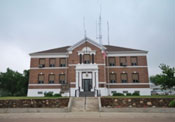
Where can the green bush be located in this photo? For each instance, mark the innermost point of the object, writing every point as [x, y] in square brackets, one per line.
[172, 103]
[128, 94]
[117, 94]
[57, 95]
[136, 94]
[48, 94]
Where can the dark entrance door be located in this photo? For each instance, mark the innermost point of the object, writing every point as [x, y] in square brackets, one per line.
[87, 85]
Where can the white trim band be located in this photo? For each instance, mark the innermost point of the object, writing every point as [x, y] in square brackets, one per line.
[49, 68]
[44, 84]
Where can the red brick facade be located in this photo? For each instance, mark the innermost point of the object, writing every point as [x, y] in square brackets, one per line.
[73, 58]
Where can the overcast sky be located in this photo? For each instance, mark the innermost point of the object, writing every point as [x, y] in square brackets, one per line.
[32, 25]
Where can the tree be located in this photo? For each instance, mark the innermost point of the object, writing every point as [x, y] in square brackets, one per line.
[166, 79]
[13, 83]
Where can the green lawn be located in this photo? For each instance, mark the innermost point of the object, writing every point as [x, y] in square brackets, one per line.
[156, 96]
[12, 98]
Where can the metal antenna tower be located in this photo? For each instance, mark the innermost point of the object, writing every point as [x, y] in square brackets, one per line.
[84, 28]
[108, 32]
[100, 32]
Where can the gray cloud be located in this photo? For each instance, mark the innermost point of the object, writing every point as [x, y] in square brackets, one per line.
[31, 25]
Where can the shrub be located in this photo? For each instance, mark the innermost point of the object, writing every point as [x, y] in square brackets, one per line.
[118, 94]
[172, 103]
[136, 94]
[57, 95]
[128, 94]
[48, 94]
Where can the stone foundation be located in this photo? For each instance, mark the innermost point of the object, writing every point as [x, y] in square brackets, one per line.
[135, 102]
[35, 103]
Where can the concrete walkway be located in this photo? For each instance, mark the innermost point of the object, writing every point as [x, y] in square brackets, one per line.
[87, 117]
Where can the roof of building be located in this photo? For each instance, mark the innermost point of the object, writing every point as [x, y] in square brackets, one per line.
[112, 48]
[55, 50]
[108, 48]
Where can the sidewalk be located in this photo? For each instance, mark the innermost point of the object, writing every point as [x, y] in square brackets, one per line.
[87, 117]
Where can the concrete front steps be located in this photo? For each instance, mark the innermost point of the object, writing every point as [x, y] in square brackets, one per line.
[84, 104]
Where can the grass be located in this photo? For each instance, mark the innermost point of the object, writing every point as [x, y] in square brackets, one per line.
[155, 96]
[17, 98]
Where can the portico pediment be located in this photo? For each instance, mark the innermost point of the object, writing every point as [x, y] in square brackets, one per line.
[86, 40]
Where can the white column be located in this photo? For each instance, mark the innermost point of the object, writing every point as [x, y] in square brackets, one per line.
[76, 79]
[80, 81]
[93, 80]
[97, 79]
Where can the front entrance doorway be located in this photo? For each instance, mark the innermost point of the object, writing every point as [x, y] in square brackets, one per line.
[87, 85]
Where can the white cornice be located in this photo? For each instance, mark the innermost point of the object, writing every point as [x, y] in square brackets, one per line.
[53, 55]
[125, 54]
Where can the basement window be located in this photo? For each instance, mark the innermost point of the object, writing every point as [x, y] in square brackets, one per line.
[40, 92]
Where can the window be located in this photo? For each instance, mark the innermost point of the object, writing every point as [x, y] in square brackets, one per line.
[124, 78]
[41, 63]
[62, 62]
[134, 61]
[112, 77]
[137, 92]
[92, 58]
[86, 59]
[111, 61]
[52, 62]
[40, 92]
[125, 92]
[51, 78]
[40, 79]
[135, 78]
[123, 61]
[62, 79]
[80, 58]
[113, 92]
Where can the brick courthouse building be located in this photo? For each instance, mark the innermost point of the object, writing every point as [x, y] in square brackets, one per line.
[89, 68]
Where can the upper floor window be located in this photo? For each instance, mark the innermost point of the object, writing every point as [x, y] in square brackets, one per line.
[62, 62]
[123, 61]
[124, 78]
[40, 78]
[86, 59]
[52, 62]
[134, 61]
[80, 58]
[112, 77]
[135, 78]
[92, 58]
[111, 61]
[51, 78]
[62, 79]
[41, 62]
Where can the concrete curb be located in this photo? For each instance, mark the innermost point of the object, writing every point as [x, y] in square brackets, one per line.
[69, 104]
[33, 110]
[142, 110]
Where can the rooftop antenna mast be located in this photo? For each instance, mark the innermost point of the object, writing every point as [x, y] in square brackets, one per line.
[100, 32]
[84, 27]
[108, 32]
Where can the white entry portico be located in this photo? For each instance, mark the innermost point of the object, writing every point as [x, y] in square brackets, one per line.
[86, 71]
